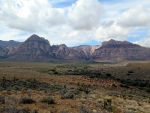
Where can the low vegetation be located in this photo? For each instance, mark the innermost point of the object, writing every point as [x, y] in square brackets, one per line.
[74, 88]
[27, 100]
[48, 100]
[17, 84]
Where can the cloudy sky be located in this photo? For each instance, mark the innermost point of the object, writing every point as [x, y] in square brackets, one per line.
[76, 22]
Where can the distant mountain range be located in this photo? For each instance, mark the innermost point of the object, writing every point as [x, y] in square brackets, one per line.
[37, 48]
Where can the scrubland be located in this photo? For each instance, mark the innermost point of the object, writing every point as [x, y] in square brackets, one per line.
[74, 87]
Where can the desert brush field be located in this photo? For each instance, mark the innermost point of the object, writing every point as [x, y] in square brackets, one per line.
[74, 87]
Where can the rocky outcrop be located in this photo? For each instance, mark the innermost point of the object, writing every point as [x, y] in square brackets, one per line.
[86, 50]
[9, 45]
[35, 48]
[120, 50]
[66, 53]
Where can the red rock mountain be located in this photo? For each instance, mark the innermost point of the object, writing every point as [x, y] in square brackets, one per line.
[120, 50]
[67, 53]
[36, 48]
[86, 50]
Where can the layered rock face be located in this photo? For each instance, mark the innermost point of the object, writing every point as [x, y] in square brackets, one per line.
[120, 50]
[66, 53]
[86, 50]
[9, 46]
[36, 48]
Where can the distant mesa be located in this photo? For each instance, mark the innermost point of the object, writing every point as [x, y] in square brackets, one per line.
[37, 48]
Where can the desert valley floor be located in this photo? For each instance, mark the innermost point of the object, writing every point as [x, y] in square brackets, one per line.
[74, 87]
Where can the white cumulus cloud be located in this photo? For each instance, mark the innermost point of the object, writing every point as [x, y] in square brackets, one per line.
[112, 31]
[78, 23]
[85, 14]
[135, 17]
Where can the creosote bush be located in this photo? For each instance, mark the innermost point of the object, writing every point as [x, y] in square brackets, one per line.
[48, 100]
[16, 110]
[2, 100]
[84, 88]
[18, 84]
[108, 104]
[85, 110]
[68, 93]
[27, 100]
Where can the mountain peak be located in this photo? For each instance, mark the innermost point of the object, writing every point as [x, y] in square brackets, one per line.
[34, 48]
[35, 37]
[115, 44]
[112, 40]
[37, 48]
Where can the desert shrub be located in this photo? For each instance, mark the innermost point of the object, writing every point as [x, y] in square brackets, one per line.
[34, 111]
[108, 75]
[85, 110]
[108, 104]
[100, 75]
[64, 112]
[2, 100]
[16, 110]
[137, 83]
[27, 100]
[84, 88]
[32, 83]
[17, 84]
[55, 72]
[3, 83]
[68, 93]
[130, 71]
[48, 100]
